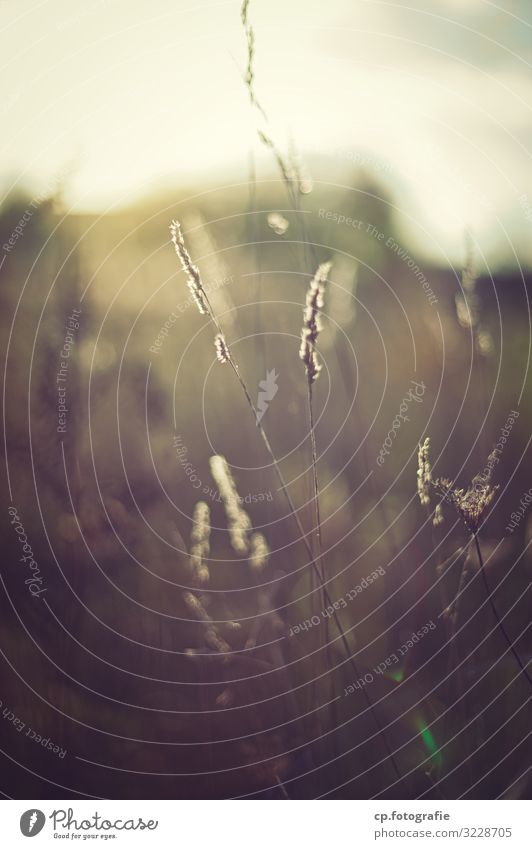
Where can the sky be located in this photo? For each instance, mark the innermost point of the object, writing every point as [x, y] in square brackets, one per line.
[129, 96]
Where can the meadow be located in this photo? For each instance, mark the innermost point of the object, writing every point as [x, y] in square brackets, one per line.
[267, 492]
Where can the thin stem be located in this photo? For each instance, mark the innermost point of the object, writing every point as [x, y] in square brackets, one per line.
[316, 499]
[453, 608]
[454, 604]
[293, 196]
[315, 477]
[282, 788]
[187, 265]
[189, 268]
[312, 561]
[495, 612]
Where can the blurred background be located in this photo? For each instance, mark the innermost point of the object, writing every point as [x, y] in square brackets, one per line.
[395, 143]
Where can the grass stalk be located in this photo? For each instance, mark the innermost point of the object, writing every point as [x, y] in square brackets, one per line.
[495, 612]
[205, 307]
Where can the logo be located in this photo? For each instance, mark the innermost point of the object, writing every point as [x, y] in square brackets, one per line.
[268, 390]
[32, 822]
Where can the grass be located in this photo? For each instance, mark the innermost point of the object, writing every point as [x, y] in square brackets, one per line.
[166, 647]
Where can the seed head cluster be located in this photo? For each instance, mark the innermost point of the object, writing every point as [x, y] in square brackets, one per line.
[437, 518]
[259, 552]
[424, 473]
[222, 351]
[425, 482]
[278, 223]
[194, 282]
[199, 543]
[238, 520]
[470, 503]
[211, 635]
[312, 321]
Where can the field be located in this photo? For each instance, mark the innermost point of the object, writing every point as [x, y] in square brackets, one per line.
[267, 527]
[109, 662]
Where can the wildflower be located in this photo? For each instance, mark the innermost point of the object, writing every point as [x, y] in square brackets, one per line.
[471, 503]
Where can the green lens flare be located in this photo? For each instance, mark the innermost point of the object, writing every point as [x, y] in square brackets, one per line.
[397, 675]
[429, 741]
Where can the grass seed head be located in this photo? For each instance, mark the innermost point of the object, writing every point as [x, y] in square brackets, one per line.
[278, 223]
[424, 472]
[194, 282]
[199, 543]
[437, 518]
[215, 641]
[238, 520]
[470, 503]
[259, 553]
[312, 321]
[195, 606]
[222, 351]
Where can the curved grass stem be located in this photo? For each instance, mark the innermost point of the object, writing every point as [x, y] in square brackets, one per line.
[495, 612]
